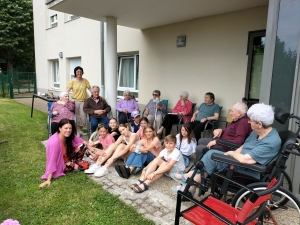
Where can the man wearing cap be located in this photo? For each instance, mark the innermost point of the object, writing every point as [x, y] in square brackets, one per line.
[135, 124]
[97, 108]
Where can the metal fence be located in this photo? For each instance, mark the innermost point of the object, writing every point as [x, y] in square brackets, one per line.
[17, 84]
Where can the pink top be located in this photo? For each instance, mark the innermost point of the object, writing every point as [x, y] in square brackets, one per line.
[186, 109]
[65, 111]
[107, 141]
[140, 132]
[157, 145]
[54, 156]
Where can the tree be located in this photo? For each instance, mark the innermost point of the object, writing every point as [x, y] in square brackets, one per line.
[16, 34]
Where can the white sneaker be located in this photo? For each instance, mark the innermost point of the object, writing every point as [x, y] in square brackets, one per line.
[93, 168]
[101, 172]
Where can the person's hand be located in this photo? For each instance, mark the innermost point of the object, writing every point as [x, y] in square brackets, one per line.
[158, 107]
[147, 111]
[193, 118]
[91, 143]
[151, 176]
[54, 113]
[124, 110]
[203, 120]
[45, 183]
[217, 133]
[85, 143]
[229, 153]
[211, 143]
[113, 133]
[132, 148]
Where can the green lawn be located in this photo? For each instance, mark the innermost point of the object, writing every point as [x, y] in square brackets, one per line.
[73, 199]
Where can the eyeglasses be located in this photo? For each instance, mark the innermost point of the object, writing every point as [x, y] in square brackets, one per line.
[155, 94]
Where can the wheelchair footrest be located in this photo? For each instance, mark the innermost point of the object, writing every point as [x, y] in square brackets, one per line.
[217, 208]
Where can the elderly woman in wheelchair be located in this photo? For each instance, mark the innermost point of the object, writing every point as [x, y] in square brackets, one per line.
[261, 147]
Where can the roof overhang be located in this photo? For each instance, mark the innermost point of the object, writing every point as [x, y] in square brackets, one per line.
[142, 14]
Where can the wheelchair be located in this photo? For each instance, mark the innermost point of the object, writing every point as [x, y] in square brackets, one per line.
[269, 210]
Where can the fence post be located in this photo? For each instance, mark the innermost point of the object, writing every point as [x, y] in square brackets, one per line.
[34, 84]
[11, 86]
[2, 84]
[18, 83]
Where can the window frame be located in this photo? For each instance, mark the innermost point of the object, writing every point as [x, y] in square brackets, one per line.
[55, 77]
[54, 22]
[251, 36]
[70, 17]
[133, 89]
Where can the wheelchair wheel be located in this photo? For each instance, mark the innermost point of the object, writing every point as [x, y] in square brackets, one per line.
[279, 216]
[287, 184]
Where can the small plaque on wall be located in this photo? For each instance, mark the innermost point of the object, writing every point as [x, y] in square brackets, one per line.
[181, 41]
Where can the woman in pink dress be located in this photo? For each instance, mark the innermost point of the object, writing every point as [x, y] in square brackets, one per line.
[60, 151]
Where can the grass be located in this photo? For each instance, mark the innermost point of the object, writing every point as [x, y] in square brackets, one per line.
[73, 199]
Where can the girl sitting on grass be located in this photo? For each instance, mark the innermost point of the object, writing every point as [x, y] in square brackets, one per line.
[168, 161]
[103, 142]
[142, 153]
[62, 148]
[186, 143]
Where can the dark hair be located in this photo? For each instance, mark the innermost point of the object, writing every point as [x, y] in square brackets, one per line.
[101, 125]
[77, 68]
[144, 119]
[69, 145]
[189, 130]
[156, 91]
[211, 95]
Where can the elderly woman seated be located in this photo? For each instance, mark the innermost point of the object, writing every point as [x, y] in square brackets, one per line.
[62, 109]
[261, 147]
[125, 107]
[183, 108]
[155, 109]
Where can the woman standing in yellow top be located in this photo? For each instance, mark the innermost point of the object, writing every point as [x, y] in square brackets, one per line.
[79, 85]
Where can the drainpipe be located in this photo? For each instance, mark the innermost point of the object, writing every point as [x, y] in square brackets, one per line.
[102, 87]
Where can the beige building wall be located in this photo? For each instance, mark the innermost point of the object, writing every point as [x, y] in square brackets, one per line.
[76, 38]
[214, 58]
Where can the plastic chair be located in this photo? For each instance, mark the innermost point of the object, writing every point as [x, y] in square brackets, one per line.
[181, 119]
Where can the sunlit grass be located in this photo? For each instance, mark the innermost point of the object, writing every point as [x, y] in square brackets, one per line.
[73, 199]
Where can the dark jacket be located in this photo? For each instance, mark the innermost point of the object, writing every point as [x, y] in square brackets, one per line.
[90, 106]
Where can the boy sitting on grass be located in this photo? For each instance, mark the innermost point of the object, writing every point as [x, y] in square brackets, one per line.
[168, 161]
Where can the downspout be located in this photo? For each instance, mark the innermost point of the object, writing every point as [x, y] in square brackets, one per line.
[102, 87]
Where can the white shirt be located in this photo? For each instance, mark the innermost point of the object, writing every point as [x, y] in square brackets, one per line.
[175, 155]
[185, 147]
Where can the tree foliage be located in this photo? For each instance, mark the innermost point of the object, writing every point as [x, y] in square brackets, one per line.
[16, 34]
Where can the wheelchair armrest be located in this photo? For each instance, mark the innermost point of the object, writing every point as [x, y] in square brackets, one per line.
[230, 160]
[228, 144]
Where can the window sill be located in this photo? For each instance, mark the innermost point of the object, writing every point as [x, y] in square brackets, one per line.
[72, 19]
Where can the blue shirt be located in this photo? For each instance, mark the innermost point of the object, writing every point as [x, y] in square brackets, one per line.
[207, 110]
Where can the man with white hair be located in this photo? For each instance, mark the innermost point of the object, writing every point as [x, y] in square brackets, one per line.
[237, 131]
[97, 108]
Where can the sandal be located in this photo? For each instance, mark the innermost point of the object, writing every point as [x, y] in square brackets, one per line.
[125, 171]
[117, 167]
[182, 181]
[139, 189]
[136, 184]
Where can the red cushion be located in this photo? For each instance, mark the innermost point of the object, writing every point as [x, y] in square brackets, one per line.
[200, 216]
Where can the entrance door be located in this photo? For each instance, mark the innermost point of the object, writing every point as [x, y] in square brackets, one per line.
[256, 46]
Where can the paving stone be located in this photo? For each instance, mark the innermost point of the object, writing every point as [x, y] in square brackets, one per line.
[158, 213]
[142, 211]
[128, 202]
[139, 201]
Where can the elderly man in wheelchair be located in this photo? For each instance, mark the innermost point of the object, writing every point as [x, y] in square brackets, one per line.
[259, 149]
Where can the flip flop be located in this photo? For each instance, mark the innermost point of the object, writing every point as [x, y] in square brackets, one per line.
[125, 171]
[139, 189]
[182, 180]
[117, 167]
[135, 184]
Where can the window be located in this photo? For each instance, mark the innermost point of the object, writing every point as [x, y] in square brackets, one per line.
[53, 18]
[72, 17]
[55, 74]
[256, 46]
[128, 76]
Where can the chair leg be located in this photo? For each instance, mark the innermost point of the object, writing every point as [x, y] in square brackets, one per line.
[178, 206]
